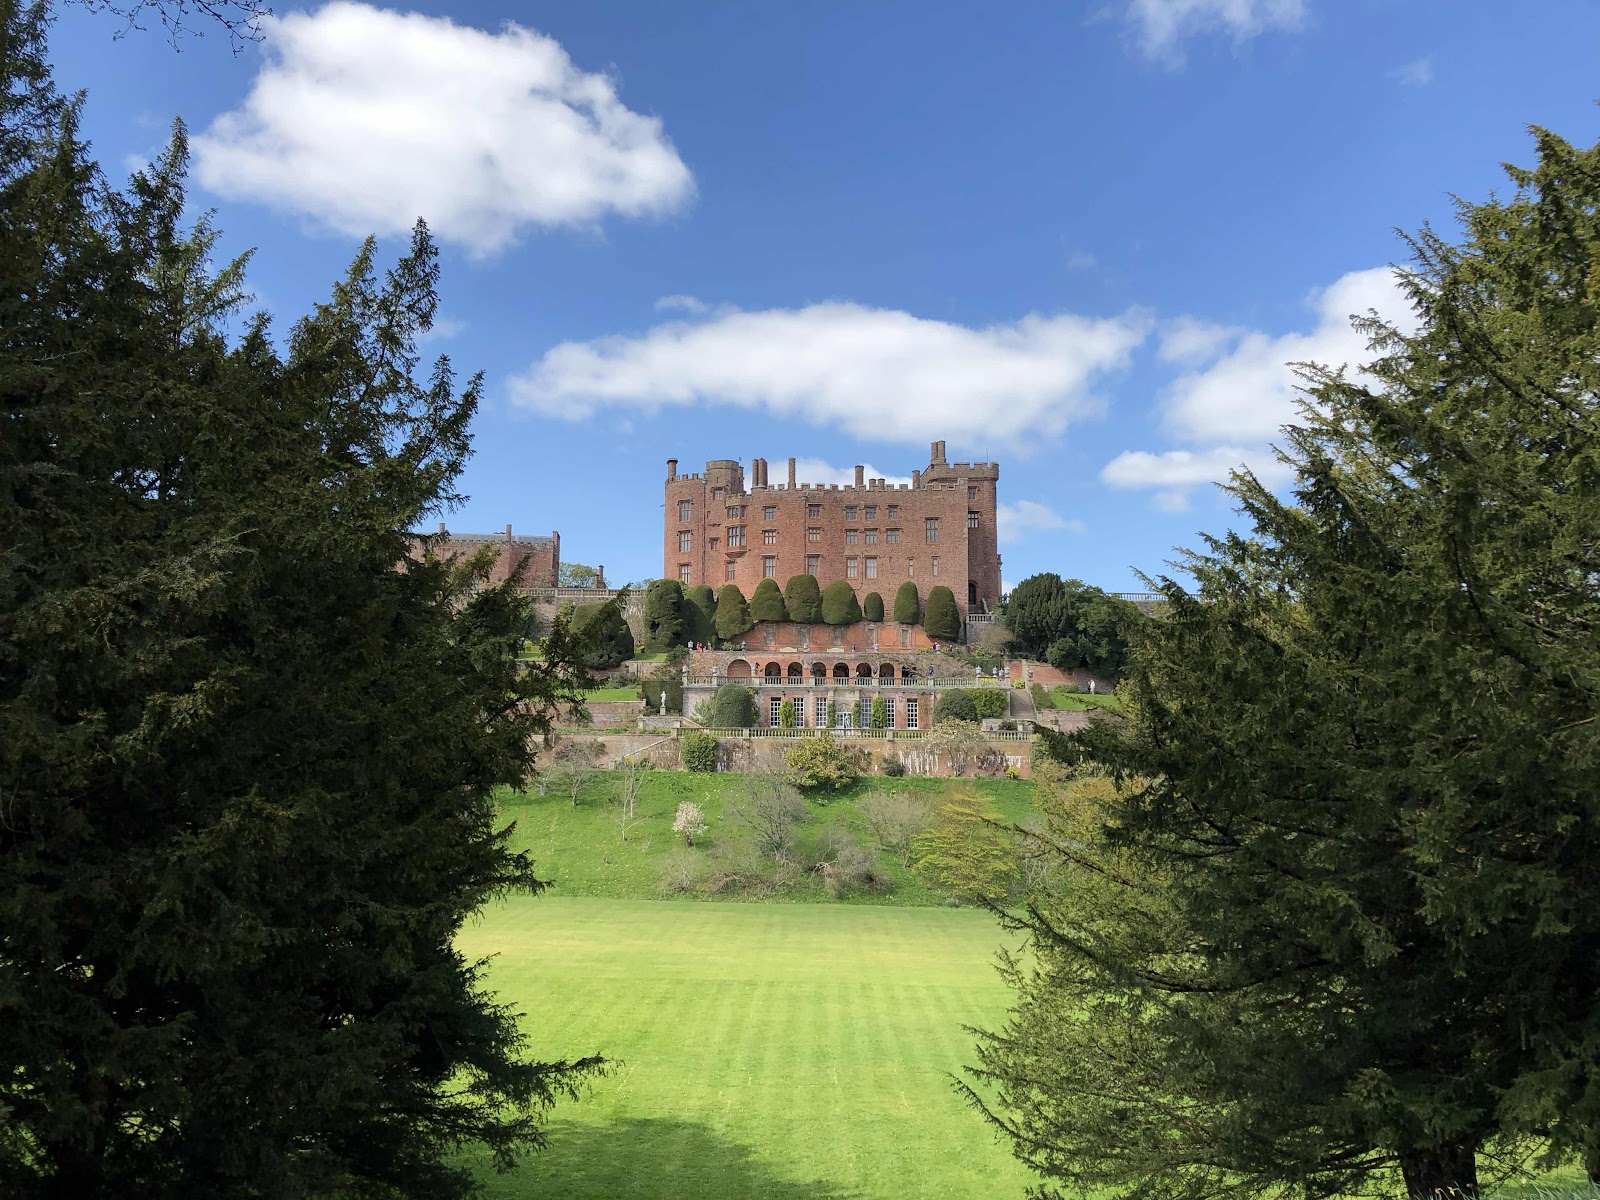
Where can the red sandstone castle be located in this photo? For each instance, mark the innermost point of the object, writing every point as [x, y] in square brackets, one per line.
[939, 529]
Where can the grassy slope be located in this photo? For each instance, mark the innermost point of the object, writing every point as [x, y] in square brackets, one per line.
[582, 852]
[1062, 698]
[788, 1052]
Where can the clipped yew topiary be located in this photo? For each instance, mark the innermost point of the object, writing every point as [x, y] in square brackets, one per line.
[941, 619]
[955, 705]
[803, 599]
[733, 706]
[733, 614]
[839, 606]
[872, 607]
[990, 702]
[665, 620]
[700, 608]
[767, 602]
[603, 633]
[907, 604]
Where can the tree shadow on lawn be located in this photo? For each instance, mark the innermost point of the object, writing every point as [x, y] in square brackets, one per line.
[637, 1158]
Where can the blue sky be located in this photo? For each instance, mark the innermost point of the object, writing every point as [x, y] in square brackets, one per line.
[1081, 239]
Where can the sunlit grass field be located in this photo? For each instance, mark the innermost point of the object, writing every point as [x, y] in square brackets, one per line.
[791, 1051]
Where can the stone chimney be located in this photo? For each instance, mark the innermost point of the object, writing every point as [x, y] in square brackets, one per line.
[916, 479]
[600, 577]
[791, 474]
[508, 533]
[937, 455]
[441, 526]
[861, 476]
[672, 469]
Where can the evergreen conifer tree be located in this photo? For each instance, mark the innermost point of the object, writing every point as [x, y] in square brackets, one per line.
[246, 763]
[701, 612]
[942, 619]
[803, 599]
[766, 604]
[872, 607]
[666, 623]
[733, 614]
[907, 604]
[1358, 780]
[839, 605]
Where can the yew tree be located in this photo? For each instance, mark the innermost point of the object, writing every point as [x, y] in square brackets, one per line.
[250, 729]
[1338, 926]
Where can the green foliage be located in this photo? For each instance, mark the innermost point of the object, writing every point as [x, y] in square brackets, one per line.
[767, 603]
[246, 765]
[802, 599]
[956, 705]
[907, 604]
[698, 751]
[576, 575]
[832, 714]
[990, 702]
[733, 615]
[786, 714]
[700, 610]
[603, 632]
[1070, 625]
[1354, 779]
[666, 620]
[964, 852]
[942, 619]
[880, 714]
[666, 678]
[733, 706]
[839, 606]
[822, 763]
[872, 607]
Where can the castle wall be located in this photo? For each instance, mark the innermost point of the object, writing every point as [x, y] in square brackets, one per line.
[540, 554]
[717, 530]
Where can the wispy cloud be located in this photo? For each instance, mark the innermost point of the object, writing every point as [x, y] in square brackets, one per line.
[1015, 522]
[1161, 27]
[1414, 74]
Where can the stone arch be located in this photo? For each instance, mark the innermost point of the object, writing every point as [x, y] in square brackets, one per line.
[886, 674]
[773, 673]
[841, 672]
[908, 674]
[864, 672]
[819, 672]
[972, 594]
[796, 673]
[738, 669]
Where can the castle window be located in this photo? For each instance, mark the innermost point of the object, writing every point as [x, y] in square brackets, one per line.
[892, 536]
[935, 564]
[685, 542]
[774, 707]
[894, 512]
[683, 572]
[813, 534]
[821, 709]
[849, 512]
[849, 568]
[972, 493]
[735, 536]
[716, 493]
[888, 710]
[730, 570]
[813, 564]
[872, 512]
[735, 511]
[930, 529]
[972, 520]
[813, 512]
[769, 566]
[872, 537]
[850, 536]
[769, 513]
[872, 568]
[713, 543]
[905, 637]
[685, 510]
[912, 715]
[769, 537]
[911, 567]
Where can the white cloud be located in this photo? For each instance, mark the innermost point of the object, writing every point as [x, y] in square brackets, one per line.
[877, 373]
[681, 303]
[1161, 26]
[1250, 392]
[815, 470]
[1240, 390]
[1414, 74]
[443, 329]
[1017, 521]
[366, 119]
[1080, 260]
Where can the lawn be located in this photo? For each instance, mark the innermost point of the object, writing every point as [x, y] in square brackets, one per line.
[769, 1051]
[581, 849]
[613, 693]
[1077, 701]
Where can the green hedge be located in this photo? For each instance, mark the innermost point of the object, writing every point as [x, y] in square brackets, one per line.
[839, 605]
[942, 619]
[907, 604]
[803, 599]
[767, 602]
